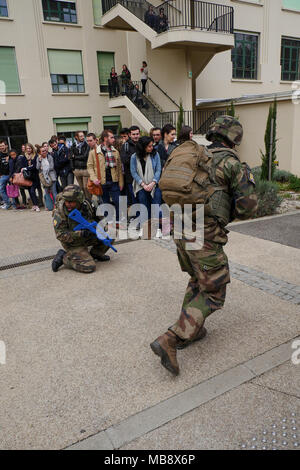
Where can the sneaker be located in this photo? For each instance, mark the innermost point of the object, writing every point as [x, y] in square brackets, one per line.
[37, 209]
[6, 207]
[158, 234]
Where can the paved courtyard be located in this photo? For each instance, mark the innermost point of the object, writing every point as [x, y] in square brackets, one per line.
[80, 374]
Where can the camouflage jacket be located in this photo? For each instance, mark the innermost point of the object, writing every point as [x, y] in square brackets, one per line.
[237, 177]
[64, 226]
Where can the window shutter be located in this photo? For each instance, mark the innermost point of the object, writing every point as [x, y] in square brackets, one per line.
[9, 70]
[63, 62]
[106, 60]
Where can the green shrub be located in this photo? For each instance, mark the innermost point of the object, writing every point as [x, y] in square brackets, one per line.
[282, 176]
[294, 184]
[268, 198]
[256, 171]
[287, 196]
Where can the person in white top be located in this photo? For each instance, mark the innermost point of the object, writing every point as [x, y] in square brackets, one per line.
[144, 76]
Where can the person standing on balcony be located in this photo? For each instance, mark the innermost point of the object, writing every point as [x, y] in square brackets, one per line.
[150, 17]
[114, 82]
[125, 78]
[144, 76]
[167, 144]
[161, 21]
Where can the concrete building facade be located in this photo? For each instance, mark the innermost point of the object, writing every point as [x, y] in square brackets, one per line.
[247, 51]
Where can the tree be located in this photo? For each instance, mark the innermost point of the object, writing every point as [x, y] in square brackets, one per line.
[180, 119]
[231, 110]
[270, 139]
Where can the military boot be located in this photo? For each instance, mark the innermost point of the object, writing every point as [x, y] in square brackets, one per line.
[58, 260]
[100, 258]
[184, 344]
[165, 348]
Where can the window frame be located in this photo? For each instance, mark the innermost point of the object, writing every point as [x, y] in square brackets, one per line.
[7, 10]
[68, 84]
[282, 60]
[254, 71]
[60, 14]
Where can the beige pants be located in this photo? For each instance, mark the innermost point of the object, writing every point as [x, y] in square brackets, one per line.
[82, 177]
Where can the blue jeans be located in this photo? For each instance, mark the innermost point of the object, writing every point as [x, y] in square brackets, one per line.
[48, 199]
[130, 194]
[146, 199]
[3, 182]
[112, 190]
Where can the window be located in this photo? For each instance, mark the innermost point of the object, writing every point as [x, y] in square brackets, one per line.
[9, 70]
[111, 123]
[292, 4]
[66, 71]
[60, 11]
[244, 56]
[290, 59]
[106, 60]
[3, 8]
[97, 9]
[14, 132]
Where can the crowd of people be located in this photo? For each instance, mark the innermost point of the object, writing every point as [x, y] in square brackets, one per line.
[128, 164]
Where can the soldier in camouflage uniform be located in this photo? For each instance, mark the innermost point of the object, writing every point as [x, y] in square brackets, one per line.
[75, 254]
[208, 267]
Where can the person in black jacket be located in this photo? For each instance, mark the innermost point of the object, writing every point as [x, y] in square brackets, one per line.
[62, 163]
[4, 175]
[79, 156]
[127, 150]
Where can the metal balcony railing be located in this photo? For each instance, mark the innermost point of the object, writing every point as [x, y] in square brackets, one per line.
[172, 14]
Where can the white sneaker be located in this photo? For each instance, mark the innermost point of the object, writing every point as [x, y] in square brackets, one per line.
[37, 209]
[158, 234]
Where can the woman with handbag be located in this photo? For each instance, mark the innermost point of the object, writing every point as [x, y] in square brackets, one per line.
[11, 189]
[47, 174]
[31, 173]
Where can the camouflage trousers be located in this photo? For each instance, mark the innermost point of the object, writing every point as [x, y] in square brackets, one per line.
[80, 259]
[206, 290]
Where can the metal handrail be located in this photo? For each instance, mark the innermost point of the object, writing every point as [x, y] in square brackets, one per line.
[166, 94]
[188, 14]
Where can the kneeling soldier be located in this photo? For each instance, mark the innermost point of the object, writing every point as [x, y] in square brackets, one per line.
[75, 254]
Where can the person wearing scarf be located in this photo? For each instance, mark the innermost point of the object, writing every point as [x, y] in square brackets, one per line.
[145, 168]
[112, 179]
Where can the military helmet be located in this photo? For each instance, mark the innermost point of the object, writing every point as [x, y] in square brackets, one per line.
[73, 193]
[228, 127]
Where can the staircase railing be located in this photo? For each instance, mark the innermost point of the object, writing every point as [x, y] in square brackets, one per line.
[188, 14]
[163, 92]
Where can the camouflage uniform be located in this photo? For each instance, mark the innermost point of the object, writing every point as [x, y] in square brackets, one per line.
[76, 244]
[208, 267]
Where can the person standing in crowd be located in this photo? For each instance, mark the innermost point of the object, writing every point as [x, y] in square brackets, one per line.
[124, 134]
[146, 171]
[30, 164]
[80, 154]
[47, 174]
[144, 76]
[228, 189]
[167, 144]
[125, 78]
[150, 17]
[62, 163]
[185, 134]
[4, 175]
[23, 149]
[112, 180]
[155, 133]
[13, 157]
[127, 151]
[114, 82]
[91, 140]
